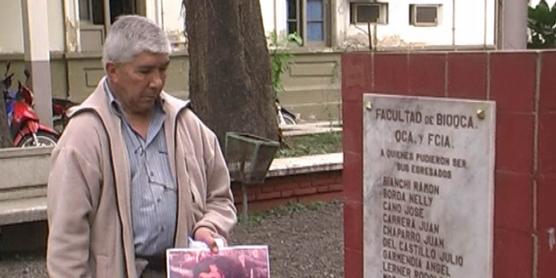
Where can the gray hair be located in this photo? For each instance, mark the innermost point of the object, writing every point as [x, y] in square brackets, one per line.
[131, 35]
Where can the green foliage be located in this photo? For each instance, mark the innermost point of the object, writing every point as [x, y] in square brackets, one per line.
[542, 25]
[280, 56]
[321, 143]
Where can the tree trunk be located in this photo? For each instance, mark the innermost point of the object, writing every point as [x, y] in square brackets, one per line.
[5, 137]
[230, 85]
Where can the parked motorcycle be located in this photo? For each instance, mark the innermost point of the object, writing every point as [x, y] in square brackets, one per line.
[25, 128]
[60, 108]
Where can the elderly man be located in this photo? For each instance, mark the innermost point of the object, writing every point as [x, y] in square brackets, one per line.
[135, 172]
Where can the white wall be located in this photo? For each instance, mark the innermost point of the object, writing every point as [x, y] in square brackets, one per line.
[274, 21]
[475, 22]
[267, 12]
[56, 25]
[152, 10]
[11, 37]
[173, 18]
[473, 25]
[470, 28]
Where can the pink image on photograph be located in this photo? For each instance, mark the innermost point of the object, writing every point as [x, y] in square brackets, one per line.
[230, 262]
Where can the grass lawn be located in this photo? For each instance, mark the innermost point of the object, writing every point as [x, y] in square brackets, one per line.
[321, 143]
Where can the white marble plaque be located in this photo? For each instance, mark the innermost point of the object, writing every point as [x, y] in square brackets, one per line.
[428, 187]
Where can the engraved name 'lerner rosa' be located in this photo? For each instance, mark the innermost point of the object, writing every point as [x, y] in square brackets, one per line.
[396, 269]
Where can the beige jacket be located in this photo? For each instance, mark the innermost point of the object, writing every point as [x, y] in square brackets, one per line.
[89, 210]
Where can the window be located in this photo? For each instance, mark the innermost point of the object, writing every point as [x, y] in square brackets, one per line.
[369, 12]
[294, 17]
[424, 15]
[92, 11]
[95, 19]
[85, 10]
[309, 19]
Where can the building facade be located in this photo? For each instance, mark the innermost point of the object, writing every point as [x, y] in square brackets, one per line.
[76, 31]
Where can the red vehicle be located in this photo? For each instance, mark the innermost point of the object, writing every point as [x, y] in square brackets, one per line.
[25, 128]
[60, 108]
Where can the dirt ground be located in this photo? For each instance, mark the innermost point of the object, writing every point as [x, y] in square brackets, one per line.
[304, 241]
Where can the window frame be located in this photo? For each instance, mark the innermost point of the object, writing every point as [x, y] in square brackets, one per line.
[298, 18]
[88, 17]
[106, 11]
[413, 15]
[382, 8]
[96, 30]
[302, 21]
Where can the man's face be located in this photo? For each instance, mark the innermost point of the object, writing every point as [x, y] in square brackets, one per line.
[214, 273]
[137, 84]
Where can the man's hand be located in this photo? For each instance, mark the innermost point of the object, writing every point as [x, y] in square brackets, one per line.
[207, 236]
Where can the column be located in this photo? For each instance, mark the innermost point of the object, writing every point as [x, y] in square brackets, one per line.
[513, 21]
[37, 55]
